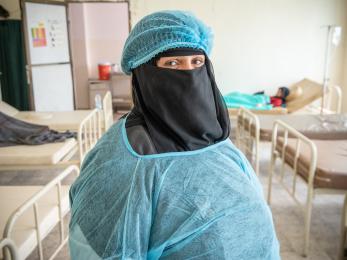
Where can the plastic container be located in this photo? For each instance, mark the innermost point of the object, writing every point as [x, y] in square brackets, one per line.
[98, 102]
[116, 68]
[104, 70]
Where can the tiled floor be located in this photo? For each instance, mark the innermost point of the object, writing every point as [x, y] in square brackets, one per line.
[288, 218]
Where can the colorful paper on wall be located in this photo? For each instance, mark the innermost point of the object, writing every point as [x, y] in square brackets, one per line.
[38, 34]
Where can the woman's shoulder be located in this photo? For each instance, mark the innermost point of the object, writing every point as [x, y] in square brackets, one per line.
[108, 148]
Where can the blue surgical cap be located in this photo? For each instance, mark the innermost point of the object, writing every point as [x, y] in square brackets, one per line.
[162, 31]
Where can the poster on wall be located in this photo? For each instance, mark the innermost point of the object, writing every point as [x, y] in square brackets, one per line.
[38, 35]
[47, 32]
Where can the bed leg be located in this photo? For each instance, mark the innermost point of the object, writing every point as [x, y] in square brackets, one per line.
[343, 231]
[272, 162]
[257, 157]
[308, 214]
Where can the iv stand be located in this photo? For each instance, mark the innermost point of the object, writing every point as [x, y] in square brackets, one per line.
[326, 68]
[333, 38]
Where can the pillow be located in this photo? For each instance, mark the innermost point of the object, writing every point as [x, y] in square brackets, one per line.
[7, 109]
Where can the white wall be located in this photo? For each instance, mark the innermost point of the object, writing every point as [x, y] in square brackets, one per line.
[13, 7]
[107, 27]
[78, 46]
[344, 71]
[344, 85]
[262, 44]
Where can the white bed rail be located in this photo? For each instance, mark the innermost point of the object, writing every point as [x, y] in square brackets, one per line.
[331, 103]
[33, 203]
[8, 245]
[88, 134]
[334, 99]
[247, 135]
[312, 154]
[300, 138]
[107, 108]
[281, 151]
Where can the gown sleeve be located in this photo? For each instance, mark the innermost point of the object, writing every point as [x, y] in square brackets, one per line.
[111, 210]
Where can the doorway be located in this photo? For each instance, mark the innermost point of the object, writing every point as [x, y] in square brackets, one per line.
[98, 31]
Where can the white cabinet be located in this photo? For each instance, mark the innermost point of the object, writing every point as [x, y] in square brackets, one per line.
[120, 87]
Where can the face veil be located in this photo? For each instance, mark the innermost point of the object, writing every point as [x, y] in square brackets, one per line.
[182, 110]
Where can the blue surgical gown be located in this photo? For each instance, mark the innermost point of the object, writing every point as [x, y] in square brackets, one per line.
[203, 204]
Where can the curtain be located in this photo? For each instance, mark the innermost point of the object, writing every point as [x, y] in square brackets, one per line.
[13, 81]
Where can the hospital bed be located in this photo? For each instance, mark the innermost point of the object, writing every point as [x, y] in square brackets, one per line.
[63, 120]
[321, 164]
[330, 126]
[301, 99]
[252, 128]
[53, 155]
[29, 214]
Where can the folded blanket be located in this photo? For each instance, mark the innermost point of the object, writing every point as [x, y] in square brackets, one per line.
[255, 102]
[17, 132]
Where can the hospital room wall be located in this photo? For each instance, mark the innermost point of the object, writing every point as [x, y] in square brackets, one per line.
[263, 44]
[344, 86]
[260, 44]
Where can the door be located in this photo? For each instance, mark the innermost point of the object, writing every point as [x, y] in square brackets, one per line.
[48, 56]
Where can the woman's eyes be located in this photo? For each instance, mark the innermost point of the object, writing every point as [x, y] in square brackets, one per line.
[173, 63]
[198, 61]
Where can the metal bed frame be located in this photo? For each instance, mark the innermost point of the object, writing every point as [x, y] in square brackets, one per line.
[8, 244]
[87, 136]
[248, 127]
[107, 109]
[338, 95]
[275, 153]
[332, 92]
[247, 135]
[33, 203]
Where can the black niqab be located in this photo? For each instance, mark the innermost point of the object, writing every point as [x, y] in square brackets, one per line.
[182, 110]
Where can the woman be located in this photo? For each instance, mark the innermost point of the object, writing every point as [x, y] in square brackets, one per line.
[257, 101]
[165, 181]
